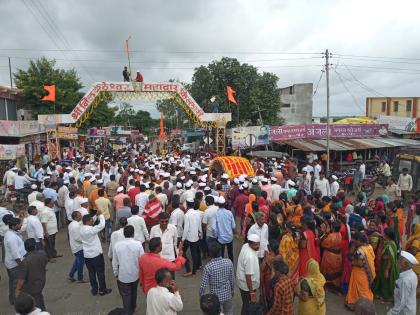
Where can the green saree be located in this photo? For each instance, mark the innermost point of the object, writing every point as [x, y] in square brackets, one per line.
[383, 287]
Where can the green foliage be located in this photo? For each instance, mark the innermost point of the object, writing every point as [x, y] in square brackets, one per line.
[101, 117]
[43, 72]
[140, 120]
[253, 90]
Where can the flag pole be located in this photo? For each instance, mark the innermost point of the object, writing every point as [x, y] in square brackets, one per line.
[128, 55]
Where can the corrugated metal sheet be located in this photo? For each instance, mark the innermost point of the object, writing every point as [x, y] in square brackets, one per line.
[349, 144]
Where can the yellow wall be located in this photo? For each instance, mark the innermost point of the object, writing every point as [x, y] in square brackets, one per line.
[374, 107]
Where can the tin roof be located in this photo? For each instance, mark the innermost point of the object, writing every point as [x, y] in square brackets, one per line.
[349, 144]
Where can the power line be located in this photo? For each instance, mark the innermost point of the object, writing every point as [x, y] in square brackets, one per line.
[377, 57]
[316, 88]
[56, 30]
[348, 91]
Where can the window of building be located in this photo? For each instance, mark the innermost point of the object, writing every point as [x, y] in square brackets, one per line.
[285, 105]
[291, 90]
[383, 109]
[395, 106]
[408, 106]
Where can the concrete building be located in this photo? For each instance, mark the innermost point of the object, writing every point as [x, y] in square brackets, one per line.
[392, 106]
[296, 104]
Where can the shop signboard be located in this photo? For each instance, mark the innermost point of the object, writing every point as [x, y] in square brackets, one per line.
[11, 151]
[68, 133]
[55, 119]
[319, 131]
[399, 123]
[13, 128]
[243, 137]
[99, 133]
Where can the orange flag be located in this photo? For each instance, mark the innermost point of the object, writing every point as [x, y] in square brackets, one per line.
[230, 96]
[126, 46]
[51, 93]
[162, 133]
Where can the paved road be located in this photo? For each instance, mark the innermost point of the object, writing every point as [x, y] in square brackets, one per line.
[65, 298]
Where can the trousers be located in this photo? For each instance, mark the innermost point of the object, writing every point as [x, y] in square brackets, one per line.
[229, 250]
[96, 268]
[245, 302]
[128, 292]
[50, 246]
[77, 265]
[195, 255]
[13, 274]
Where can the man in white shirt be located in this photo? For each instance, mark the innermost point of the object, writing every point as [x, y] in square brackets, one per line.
[92, 252]
[248, 272]
[405, 183]
[140, 230]
[208, 218]
[20, 181]
[405, 287]
[317, 169]
[191, 236]
[106, 175]
[322, 185]
[168, 235]
[165, 297]
[32, 195]
[14, 252]
[84, 205]
[161, 196]
[69, 206]
[117, 236]
[34, 228]
[49, 224]
[125, 265]
[76, 247]
[334, 186]
[260, 228]
[189, 193]
[362, 169]
[142, 199]
[177, 218]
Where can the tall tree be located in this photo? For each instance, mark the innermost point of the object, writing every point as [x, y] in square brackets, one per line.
[140, 120]
[255, 92]
[68, 85]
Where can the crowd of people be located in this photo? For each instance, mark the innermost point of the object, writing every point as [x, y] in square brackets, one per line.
[301, 234]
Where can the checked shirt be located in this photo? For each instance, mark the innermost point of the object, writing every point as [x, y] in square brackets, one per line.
[218, 276]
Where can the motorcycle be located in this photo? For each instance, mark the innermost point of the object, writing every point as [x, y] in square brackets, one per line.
[368, 183]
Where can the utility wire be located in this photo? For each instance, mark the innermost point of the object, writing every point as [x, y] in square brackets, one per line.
[361, 83]
[348, 91]
[317, 84]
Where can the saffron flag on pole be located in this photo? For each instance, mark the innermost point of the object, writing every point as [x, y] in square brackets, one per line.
[126, 46]
[230, 96]
[51, 93]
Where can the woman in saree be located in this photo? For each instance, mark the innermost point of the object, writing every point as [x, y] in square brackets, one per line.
[332, 260]
[394, 221]
[249, 215]
[289, 250]
[384, 284]
[267, 281]
[363, 271]
[263, 205]
[345, 253]
[296, 212]
[311, 291]
[413, 246]
[307, 246]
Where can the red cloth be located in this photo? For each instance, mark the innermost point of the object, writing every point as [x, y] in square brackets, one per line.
[307, 253]
[149, 263]
[151, 211]
[139, 77]
[132, 193]
[240, 203]
[379, 206]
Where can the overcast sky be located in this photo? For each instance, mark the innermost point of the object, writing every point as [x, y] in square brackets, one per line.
[170, 38]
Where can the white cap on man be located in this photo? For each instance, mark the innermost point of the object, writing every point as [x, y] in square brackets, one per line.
[334, 177]
[409, 257]
[34, 187]
[225, 176]
[254, 238]
[120, 189]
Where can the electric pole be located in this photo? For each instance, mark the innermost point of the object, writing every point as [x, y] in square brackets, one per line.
[10, 73]
[327, 55]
